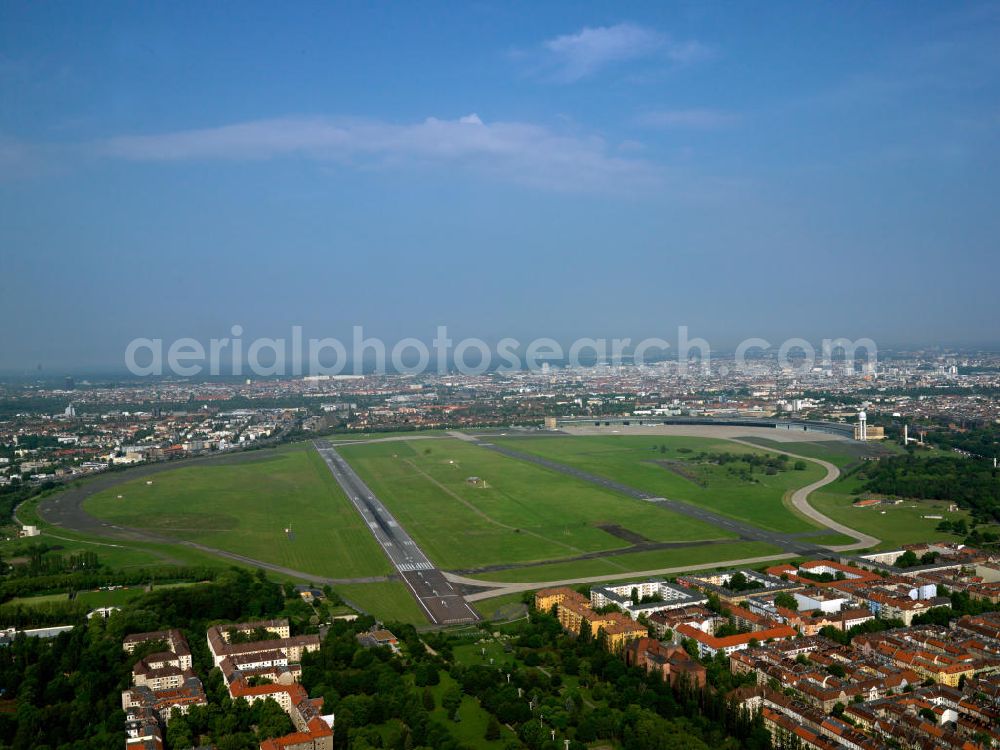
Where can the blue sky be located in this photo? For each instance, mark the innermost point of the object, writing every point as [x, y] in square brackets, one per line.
[506, 169]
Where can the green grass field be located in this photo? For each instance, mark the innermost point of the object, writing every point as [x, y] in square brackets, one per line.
[386, 601]
[637, 561]
[893, 524]
[93, 599]
[120, 555]
[245, 508]
[503, 607]
[342, 437]
[844, 454]
[33, 601]
[635, 461]
[524, 513]
[121, 558]
[471, 727]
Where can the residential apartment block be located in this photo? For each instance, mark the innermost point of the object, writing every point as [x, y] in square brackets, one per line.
[649, 597]
[268, 668]
[162, 682]
[574, 610]
[292, 647]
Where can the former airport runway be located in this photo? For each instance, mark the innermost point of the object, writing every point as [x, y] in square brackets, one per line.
[440, 600]
[788, 542]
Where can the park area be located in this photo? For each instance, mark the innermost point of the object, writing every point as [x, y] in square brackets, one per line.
[517, 512]
[284, 508]
[472, 509]
[685, 468]
[498, 518]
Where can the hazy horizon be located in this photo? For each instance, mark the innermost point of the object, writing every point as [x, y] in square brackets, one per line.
[504, 169]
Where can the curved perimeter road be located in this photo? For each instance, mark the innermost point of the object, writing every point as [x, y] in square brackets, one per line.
[64, 510]
[499, 588]
[800, 501]
[72, 516]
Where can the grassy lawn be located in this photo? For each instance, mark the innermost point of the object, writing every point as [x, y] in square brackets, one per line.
[120, 597]
[387, 601]
[841, 453]
[125, 555]
[111, 556]
[471, 729]
[342, 437]
[246, 507]
[112, 553]
[472, 654]
[30, 601]
[116, 598]
[94, 599]
[636, 461]
[893, 524]
[523, 513]
[625, 564]
[121, 555]
[500, 607]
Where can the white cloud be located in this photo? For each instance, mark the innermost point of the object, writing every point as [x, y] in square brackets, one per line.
[23, 160]
[696, 119]
[518, 152]
[570, 57]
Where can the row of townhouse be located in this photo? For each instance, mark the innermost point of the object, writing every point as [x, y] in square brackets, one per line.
[822, 672]
[832, 586]
[916, 720]
[936, 654]
[793, 723]
[920, 687]
[704, 631]
[926, 718]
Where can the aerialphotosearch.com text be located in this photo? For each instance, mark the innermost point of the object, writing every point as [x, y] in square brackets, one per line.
[297, 355]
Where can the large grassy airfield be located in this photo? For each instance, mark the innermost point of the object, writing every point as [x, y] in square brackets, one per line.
[516, 522]
[673, 472]
[523, 513]
[246, 508]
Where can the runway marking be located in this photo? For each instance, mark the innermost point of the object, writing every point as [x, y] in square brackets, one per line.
[414, 561]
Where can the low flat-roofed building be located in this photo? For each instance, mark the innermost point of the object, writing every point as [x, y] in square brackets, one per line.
[660, 596]
[722, 584]
[378, 637]
[710, 645]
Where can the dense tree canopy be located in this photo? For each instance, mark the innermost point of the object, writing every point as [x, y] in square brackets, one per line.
[969, 482]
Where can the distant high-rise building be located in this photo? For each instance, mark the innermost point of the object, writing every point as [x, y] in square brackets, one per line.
[70, 411]
[69, 383]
